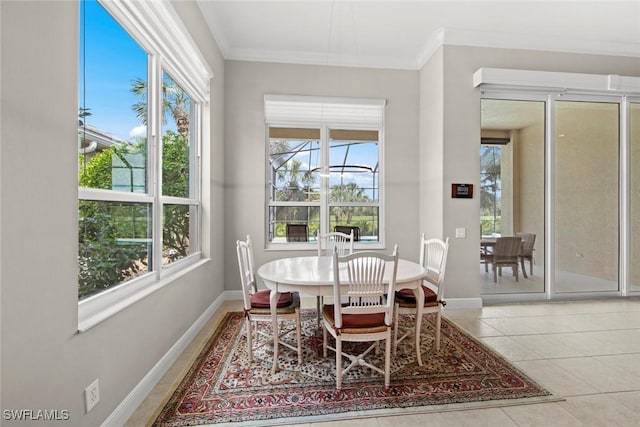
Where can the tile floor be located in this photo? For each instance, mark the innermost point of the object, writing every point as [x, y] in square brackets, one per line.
[586, 351]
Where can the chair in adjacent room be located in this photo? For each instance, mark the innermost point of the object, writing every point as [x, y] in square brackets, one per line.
[297, 233]
[328, 243]
[367, 312]
[347, 229]
[526, 251]
[433, 257]
[505, 254]
[257, 306]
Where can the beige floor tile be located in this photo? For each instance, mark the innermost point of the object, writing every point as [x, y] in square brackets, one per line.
[549, 346]
[592, 343]
[414, 420]
[600, 410]
[555, 379]
[510, 348]
[512, 326]
[630, 399]
[354, 422]
[491, 417]
[599, 373]
[542, 415]
[477, 327]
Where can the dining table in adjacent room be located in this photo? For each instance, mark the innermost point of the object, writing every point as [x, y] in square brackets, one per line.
[313, 276]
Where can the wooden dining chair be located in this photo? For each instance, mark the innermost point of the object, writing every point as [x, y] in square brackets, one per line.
[328, 243]
[433, 257]
[257, 306]
[505, 254]
[366, 315]
[526, 251]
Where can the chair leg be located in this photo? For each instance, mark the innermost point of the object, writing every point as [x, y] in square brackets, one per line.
[338, 364]
[515, 271]
[495, 274]
[318, 308]
[530, 265]
[524, 270]
[438, 323]
[249, 332]
[325, 341]
[418, 329]
[387, 361]
[299, 336]
[395, 329]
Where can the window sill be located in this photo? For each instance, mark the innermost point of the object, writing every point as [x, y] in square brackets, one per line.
[97, 309]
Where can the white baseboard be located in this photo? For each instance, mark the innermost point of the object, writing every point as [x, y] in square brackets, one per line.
[128, 406]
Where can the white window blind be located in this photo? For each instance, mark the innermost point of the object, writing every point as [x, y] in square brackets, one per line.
[317, 110]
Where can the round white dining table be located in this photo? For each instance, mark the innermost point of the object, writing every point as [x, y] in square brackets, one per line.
[313, 276]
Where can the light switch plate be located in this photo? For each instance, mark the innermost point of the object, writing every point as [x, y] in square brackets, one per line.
[461, 233]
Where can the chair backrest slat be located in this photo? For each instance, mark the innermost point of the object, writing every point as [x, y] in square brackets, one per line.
[433, 257]
[335, 241]
[528, 242]
[244, 251]
[507, 249]
[364, 272]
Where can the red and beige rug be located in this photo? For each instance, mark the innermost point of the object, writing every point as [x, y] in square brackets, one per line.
[222, 387]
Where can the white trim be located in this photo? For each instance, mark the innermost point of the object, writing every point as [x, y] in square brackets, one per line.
[100, 307]
[148, 22]
[551, 81]
[548, 43]
[97, 194]
[128, 406]
[442, 36]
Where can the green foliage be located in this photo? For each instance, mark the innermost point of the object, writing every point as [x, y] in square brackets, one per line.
[113, 236]
[175, 182]
[103, 261]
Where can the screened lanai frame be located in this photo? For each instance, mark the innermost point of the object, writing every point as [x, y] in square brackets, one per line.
[323, 167]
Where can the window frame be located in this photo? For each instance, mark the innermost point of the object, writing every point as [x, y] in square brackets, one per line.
[325, 126]
[175, 54]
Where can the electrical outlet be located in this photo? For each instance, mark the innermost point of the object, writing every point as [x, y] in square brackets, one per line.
[92, 395]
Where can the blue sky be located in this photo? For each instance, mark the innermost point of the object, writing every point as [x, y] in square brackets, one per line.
[109, 60]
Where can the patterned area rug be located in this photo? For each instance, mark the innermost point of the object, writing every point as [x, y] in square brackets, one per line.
[223, 387]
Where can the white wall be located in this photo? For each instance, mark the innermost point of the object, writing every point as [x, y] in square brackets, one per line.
[246, 85]
[45, 363]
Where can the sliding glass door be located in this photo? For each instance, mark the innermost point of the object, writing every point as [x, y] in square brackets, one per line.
[634, 196]
[512, 177]
[586, 196]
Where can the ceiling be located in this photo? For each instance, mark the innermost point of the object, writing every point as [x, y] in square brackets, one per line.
[403, 34]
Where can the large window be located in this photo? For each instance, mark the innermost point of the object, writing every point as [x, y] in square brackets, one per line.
[138, 141]
[325, 174]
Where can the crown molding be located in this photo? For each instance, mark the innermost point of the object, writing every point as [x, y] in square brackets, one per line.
[459, 37]
[321, 58]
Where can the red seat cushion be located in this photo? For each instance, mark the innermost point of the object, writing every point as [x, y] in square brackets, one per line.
[407, 295]
[357, 321]
[261, 299]
[362, 320]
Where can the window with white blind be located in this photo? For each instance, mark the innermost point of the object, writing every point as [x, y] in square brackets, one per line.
[324, 169]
